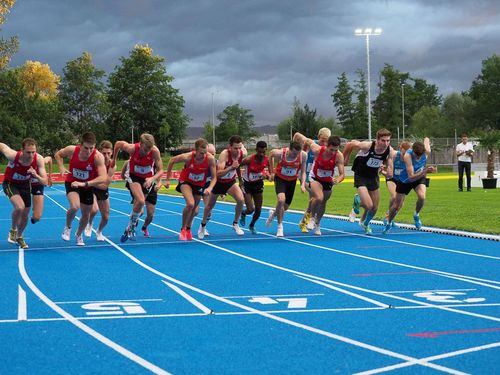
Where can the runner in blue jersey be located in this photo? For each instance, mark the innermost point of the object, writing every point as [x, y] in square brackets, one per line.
[323, 135]
[412, 178]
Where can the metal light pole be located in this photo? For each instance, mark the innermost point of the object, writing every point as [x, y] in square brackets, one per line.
[213, 121]
[403, 108]
[367, 33]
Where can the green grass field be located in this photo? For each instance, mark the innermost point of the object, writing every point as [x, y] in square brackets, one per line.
[477, 211]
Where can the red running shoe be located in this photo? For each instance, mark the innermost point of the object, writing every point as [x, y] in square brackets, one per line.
[145, 232]
[189, 235]
[182, 235]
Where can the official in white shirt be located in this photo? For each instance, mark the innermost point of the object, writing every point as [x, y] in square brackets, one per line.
[464, 152]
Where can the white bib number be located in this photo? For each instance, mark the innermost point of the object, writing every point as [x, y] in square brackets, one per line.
[252, 176]
[397, 172]
[288, 171]
[229, 175]
[142, 169]
[374, 163]
[81, 175]
[20, 177]
[324, 173]
[196, 177]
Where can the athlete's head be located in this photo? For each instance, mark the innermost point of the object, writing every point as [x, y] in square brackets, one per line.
[384, 137]
[106, 149]
[235, 144]
[333, 143]
[404, 146]
[418, 149]
[465, 138]
[201, 146]
[211, 148]
[146, 142]
[261, 148]
[29, 148]
[323, 135]
[88, 144]
[294, 148]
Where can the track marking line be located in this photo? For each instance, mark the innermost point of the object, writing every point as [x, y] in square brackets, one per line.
[22, 309]
[433, 335]
[190, 299]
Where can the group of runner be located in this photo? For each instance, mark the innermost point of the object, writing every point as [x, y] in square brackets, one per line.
[313, 162]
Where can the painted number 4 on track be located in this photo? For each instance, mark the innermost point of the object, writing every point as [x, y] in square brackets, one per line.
[447, 297]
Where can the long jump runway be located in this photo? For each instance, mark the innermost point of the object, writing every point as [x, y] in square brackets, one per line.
[410, 301]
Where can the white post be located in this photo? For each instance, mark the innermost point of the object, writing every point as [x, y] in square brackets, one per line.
[213, 121]
[403, 107]
[369, 106]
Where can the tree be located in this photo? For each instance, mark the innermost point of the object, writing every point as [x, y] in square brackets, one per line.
[38, 79]
[142, 99]
[235, 120]
[208, 131]
[83, 96]
[361, 108]
[427, 122]
[346, 113]
[455, 111]
[8, 47]
[12, 99]
[485, 91]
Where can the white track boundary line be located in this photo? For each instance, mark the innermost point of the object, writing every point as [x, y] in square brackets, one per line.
[190, 299]
[22, 309]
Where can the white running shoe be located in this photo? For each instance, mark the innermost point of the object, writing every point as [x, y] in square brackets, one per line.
[312, 224]
[238, 230]
[352, 216]
[270, 218]
[88, 230]
[279, 232]
[79, 241]
[66, 234]
[206, 232]
[201, 232]
[99, 236]
[317, 231]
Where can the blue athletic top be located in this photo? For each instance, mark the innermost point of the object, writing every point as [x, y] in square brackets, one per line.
[309, 162]
[418, 165]
[399, 166]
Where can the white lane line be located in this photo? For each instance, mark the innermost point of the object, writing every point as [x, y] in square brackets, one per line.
[93, 333]
[190, 299]
[428, 290]
[231, 313]
[22, 308]
[110, 300]
[355, 295]
[432, 358]
[277, 295]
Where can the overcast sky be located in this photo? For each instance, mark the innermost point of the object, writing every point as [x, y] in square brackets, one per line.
[263, 53]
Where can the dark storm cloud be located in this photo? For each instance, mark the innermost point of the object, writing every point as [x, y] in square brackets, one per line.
[263, 54]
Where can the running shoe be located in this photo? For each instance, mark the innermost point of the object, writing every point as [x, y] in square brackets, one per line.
[66, 234]
[238, 230]
[99, 236]
[418, 223]
[386, 219]
[12, 238]
[79, 241]
[279, 232]
[312, 224]
[317, 231]
[366, 228]
[387, 228]
[253, 230]
[303, 227]
[356, 203]
[270, 218]
[189, 235]
[145, 231]
[206, 232]
[124, 236]
[182, 235]
[307, 217]
[352, 216]
[22, 244]
[201, 232]
[131, 234]
[243, 217]
[88, 230]
[393, 224]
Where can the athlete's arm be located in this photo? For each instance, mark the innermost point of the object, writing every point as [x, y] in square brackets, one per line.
[390, 163]
[339, 162]
[221, 164]
[122, 145]
[303, 168]
[349, 147]
[272, 155]
[8, 152]
[181, 158]
[65, 152]
[159, 168]
[49, 164]
[42, 174]
[213, 173]
[427, 145]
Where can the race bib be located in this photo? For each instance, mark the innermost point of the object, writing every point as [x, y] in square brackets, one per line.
[20, 177]
[80, 175]
[139, 169]
[374, 163]
[35, 181]
[397, 172]
[324, 173]
[288, 171]
[229, 175]
[252, 176]
[196, 177]
[309, 167]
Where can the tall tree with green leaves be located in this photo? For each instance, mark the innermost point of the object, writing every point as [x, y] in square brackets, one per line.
[361, 107]
[427, 122]
[142, 99]
[455, 110]
[485, 91]
[82, 95]
[346, 110]
[235, 120]
[8, 47]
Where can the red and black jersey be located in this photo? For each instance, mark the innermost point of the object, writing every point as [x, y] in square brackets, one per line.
[231, 175]
[195, 173]
[141, 166]
[288, 170]
[254, 171]
[322, 169]
[81, 170]
[16, 172]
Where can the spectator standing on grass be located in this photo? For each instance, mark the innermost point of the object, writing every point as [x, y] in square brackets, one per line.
[464, 152]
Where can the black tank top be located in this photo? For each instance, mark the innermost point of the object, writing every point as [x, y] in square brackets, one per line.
[367, 163]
